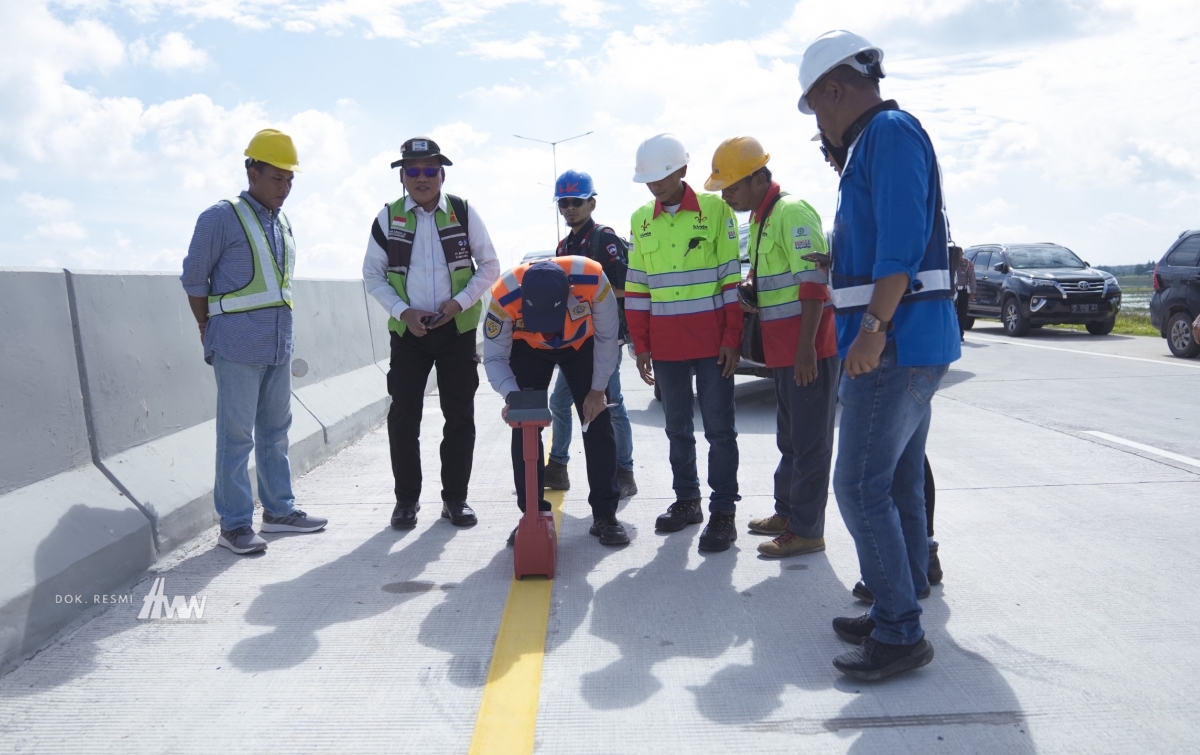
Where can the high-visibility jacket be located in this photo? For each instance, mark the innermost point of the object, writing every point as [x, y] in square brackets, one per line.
[269, 286]
[591, 315]
[455, 247]
[584, 276]
[782, 278]
[681, 291]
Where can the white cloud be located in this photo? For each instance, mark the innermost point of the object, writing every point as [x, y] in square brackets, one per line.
[176, 51]
[531, 47]
[58, 227]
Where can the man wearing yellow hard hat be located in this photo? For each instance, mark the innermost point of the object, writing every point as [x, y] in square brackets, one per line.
[246, 329]
[789, 296]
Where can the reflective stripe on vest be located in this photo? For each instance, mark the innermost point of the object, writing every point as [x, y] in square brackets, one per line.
[584, 275]
[263, 290]
[929, 284]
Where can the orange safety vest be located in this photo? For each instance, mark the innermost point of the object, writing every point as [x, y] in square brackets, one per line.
[584, 276]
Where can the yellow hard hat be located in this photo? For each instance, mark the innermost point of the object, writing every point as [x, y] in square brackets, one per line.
[735, 159]
[274, 148]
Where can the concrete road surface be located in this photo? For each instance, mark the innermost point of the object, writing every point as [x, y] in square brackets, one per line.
[1066, 511]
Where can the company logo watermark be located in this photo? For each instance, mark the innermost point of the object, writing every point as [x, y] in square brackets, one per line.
[157, 605]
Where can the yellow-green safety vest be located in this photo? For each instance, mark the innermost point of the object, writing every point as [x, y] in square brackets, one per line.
[793, 229]
[263, 290]
[456, 248]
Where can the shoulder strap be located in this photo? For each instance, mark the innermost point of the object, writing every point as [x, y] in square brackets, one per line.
[762, 223]
[459, 206]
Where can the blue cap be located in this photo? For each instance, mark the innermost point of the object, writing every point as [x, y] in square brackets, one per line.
[544, 291]
[574, 183]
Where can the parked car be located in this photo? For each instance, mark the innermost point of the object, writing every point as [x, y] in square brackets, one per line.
[1030, 285]
[1176, 299]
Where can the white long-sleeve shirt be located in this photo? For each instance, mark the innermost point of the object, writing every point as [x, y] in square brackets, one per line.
[428, 284]
[497, 346]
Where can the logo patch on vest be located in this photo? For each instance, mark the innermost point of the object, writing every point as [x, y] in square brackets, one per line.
[582, 309]
[731, 234]
[729, 223]
[800, 232]
[604, 293]
[400, 219]
[803, 244]
[491, 326]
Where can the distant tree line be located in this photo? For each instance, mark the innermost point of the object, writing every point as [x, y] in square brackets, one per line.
[1142, 268]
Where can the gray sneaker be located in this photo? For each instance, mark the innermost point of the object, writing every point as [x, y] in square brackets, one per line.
[297, 521]
[241, 541]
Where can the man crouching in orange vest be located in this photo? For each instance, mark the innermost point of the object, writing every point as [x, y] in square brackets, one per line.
[560, 312]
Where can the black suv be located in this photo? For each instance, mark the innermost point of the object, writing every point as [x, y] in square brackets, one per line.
[1031, 285]
[1176, 299]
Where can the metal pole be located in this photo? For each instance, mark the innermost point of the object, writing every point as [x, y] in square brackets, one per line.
[554, 166]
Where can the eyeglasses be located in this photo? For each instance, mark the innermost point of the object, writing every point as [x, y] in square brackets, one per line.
[566, 202]
[429, 172]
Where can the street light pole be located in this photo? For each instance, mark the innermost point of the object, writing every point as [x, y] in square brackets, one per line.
[554, 159]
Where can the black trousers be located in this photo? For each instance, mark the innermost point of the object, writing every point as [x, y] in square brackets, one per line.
[457, 380]
[533, 369]
[960, 305]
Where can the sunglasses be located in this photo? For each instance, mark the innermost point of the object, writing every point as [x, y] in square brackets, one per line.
[429, 172]
[566, 202]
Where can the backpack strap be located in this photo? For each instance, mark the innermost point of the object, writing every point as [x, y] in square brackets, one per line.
[459, 206]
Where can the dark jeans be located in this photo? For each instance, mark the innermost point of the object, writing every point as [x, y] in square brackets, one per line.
[715, 394]
[533, 369]
[457, 379]
[960, 305]
[804, 435]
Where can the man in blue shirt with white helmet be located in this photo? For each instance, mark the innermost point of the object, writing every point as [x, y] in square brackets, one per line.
[897, 334]
[576, 196]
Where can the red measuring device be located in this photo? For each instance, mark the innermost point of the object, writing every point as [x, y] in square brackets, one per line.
[535, 549]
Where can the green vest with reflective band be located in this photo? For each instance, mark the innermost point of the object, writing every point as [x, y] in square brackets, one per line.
[402, 228]
[265, 289]
[793, 229]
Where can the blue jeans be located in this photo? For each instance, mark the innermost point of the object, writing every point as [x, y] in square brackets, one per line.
[562, 406]
[254, 410]
[716, 400]
[879, 481]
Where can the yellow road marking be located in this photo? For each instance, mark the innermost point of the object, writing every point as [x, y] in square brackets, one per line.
[507, 719]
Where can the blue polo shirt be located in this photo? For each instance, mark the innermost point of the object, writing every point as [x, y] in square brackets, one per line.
[886, 215]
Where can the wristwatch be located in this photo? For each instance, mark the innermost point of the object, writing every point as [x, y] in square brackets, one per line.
[872, 324]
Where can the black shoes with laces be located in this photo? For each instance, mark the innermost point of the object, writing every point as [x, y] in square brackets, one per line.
[874, 660]
[610, 531]
[680, 514]
[720, 532]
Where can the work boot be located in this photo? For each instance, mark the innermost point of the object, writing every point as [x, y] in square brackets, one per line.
[296, 521]
[769, 525]
[459, 514]
[556, 476]
[610, 531]
[861, 592]
[720, 532]
[404, 516]
[874, 660]
[626, 486]
[680, 514]
[935, 565]
[790, 544]
[241, 541]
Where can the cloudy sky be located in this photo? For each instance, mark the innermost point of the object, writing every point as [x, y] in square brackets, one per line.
[1073, 121]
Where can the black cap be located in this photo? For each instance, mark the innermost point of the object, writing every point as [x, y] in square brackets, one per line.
[418, 147]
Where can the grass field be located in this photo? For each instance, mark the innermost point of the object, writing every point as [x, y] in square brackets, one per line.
[1128, 324]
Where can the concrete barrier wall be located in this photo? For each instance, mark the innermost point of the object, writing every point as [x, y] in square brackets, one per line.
[107, 453]
[69, 530]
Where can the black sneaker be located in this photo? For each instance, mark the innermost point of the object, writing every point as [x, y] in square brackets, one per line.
[854, 630]
[874, 660]
[680, 514]
[720, 532]
[861, 592]
[610, 531]
[935, 565]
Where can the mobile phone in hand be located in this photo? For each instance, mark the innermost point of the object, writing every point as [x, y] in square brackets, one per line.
[818, 258]
[432, 320]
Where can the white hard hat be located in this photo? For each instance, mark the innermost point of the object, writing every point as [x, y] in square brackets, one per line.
[832, 49]
[658, 157]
